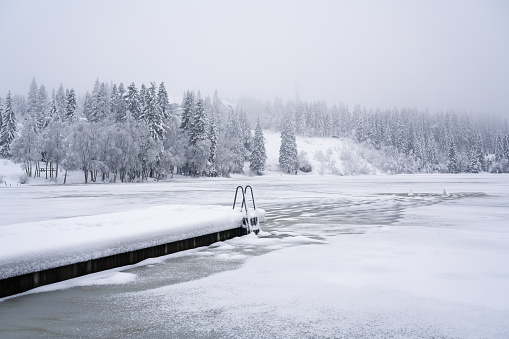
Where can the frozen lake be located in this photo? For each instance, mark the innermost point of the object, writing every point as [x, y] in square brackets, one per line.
[342, 257]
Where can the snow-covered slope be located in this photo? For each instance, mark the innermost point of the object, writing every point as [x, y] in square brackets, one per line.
[336, 156]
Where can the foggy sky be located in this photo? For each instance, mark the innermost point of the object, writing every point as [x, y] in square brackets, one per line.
[436, 55]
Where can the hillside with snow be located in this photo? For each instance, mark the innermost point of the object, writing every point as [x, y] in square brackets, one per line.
[327, 156]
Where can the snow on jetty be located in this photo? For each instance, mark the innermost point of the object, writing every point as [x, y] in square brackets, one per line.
[36, 246]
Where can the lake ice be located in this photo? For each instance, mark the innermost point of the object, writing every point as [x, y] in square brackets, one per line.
[338, 257]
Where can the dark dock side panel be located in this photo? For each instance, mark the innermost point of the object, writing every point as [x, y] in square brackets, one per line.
[25, 282]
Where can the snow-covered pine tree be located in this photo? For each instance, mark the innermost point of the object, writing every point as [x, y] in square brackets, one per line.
[400, 135]
[32, 100]
[258, 154]
[143, 99]
[53, 111]
[233, 138]
[152, 115]
[8, 126]
[99, 102]
[452, 161]
[42, 107]
[479, 150]
[61, 102]
[114, 101]
[133, 101]
[1, 115]
[213, 137]
[163, 102]
[198, 122]
[288, 155]
[118, 106]
[499, 148]
[188, 106]
[1, 121]
[506, 147]
[70, 107]
[87, 106]
[103, 102]
[94, 103]
[245, 128]
[121, 104]
[473, 163]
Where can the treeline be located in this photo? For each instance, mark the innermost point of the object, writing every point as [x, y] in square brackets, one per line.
[118, 132]
[407, 140]
[126, 134]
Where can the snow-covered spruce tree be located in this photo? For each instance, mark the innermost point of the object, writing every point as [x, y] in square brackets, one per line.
[99, 102]
[8, 126]
[473, 163]
[53, 111]
[152, 114]
[121, 104]
[61, 102]
[114, 101]
[499, 148]
[506, 147]
[233, 140]
[245, 128]
[1, 115]
[142, 97]
[87, 106]
[187, 110]
[258, 154]
[42, 108]
[71, 105]
[213, 137]
[32, 100]
[198, 123]
[162, 101]
[479, 150]
[452, 161]
[133, 101]
[288, 155]
[198, 151]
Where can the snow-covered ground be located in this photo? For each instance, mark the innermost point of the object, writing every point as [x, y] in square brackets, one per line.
[336, 156]
[343, 257]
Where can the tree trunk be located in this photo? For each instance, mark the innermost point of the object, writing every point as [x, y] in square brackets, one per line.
[65, 176]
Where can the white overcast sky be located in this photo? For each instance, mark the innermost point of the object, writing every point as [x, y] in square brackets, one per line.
[436, 55]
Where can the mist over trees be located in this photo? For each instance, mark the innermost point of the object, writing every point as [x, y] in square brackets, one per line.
[402, 141]
[122, 133]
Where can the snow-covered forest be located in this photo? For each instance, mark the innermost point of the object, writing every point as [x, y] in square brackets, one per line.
[122, 133]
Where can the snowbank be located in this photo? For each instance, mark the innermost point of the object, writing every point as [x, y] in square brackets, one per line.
[35, 246]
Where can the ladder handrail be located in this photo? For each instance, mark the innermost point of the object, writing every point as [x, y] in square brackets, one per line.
[252, 195]
[243, 198]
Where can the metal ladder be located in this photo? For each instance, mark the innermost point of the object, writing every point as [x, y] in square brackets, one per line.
[249, 222]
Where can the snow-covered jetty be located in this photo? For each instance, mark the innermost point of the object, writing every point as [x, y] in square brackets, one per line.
[40, 253]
